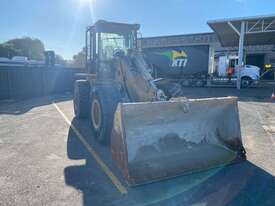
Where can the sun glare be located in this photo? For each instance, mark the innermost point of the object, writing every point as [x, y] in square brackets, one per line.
[87, 4]
[85, 1]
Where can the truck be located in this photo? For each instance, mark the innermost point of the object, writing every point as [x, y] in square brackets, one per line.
[189, 66]
[249, 74]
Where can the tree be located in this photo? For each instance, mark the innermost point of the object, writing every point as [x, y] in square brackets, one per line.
[8, 50]
[29, 47]
[79, 58]
[59, 60]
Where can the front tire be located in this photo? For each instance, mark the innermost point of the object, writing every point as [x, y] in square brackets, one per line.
[104, 101]
[81, 98]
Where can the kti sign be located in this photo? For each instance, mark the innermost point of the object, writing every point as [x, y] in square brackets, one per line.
[177, 58]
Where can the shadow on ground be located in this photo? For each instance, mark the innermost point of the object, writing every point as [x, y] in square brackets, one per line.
[238, 184]
[17, 107]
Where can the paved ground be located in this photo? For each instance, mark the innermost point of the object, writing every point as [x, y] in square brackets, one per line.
[45, 161]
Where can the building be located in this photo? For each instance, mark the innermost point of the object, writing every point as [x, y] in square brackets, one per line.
[258, 55]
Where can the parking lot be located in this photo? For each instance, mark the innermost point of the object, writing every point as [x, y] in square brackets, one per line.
[47, 157]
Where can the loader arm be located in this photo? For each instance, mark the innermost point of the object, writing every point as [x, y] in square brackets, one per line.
[136, 79]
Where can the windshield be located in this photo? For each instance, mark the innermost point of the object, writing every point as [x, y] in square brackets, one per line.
[112, 42]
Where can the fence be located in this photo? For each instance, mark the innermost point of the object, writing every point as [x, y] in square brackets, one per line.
[26, 82]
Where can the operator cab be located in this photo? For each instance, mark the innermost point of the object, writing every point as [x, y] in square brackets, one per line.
[106, 39]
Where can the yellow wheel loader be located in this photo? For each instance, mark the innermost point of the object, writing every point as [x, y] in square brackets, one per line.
[151, 136]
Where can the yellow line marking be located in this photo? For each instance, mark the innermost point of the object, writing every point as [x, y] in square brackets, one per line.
[103, 166]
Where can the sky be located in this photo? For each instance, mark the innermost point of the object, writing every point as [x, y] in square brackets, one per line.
[61, 24]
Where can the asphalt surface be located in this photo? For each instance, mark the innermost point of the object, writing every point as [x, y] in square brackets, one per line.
[45, 161]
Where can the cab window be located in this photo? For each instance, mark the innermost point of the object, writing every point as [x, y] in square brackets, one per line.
[111, 42]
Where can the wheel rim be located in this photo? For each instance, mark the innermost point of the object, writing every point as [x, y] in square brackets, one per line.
[96, 114]
[245, 82]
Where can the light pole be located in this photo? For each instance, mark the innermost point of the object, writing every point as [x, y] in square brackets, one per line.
[240, 54]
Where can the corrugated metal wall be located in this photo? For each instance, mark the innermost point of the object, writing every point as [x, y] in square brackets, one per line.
[26, 82]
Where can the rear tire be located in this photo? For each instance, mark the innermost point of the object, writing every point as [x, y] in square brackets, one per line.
[246, 82]
[81, 98]
[104, 101]
[199, 83]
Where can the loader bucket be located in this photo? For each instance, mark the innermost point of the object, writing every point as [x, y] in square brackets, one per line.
[157, 140]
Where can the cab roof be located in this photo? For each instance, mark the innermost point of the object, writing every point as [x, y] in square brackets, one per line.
[113, 27]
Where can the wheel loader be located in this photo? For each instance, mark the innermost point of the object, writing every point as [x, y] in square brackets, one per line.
[152, 135]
